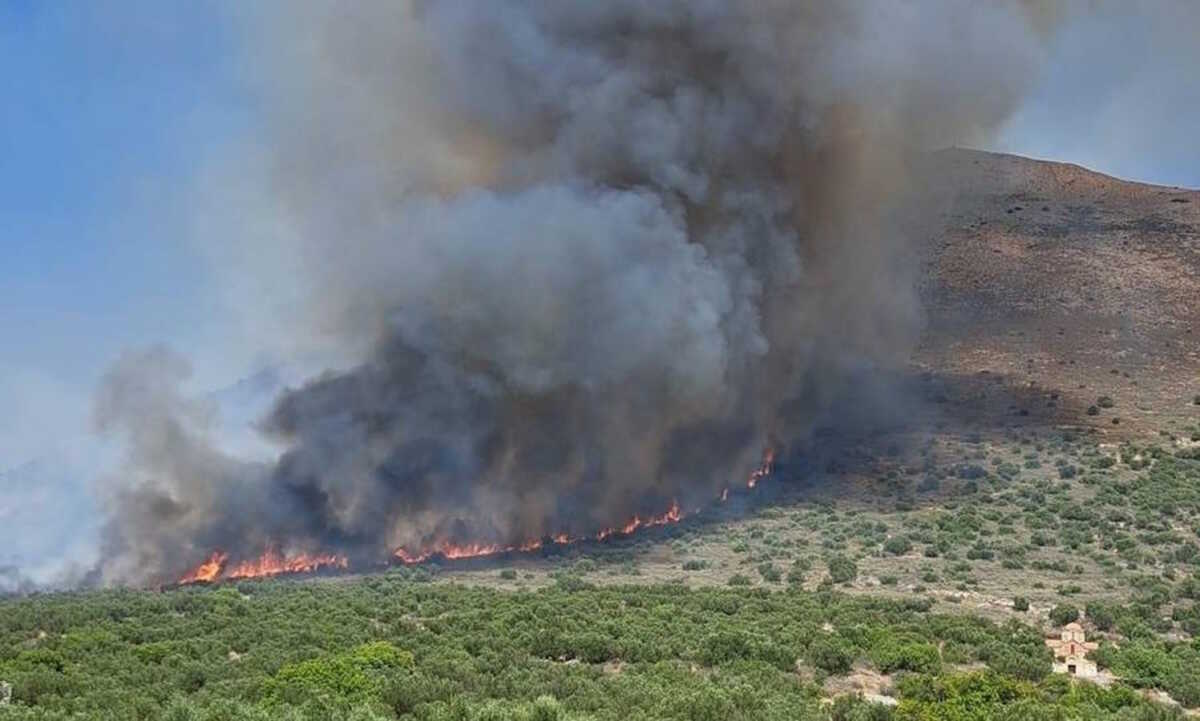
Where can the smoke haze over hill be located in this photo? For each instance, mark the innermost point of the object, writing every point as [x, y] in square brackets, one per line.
[584, 260]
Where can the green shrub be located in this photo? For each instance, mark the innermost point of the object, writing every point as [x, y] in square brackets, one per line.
[897, 545]
[830, 654]
[546, 708]
[892, 655]
[979, 552]
[1100, 614]
[842, 569]
[770, 573]
[852, 707]
[1027, 664]
[1063, 614]
[349, 674]
[571, 582]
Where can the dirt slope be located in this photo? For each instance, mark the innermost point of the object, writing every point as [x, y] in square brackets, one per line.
[1061, 285]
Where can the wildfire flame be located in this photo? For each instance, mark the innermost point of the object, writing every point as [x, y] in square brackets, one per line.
[207, 571]
[673, 515]
[763, 470]
[453, 551]
[272, 563]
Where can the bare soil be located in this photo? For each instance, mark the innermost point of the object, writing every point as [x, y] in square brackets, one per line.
[1048, 279]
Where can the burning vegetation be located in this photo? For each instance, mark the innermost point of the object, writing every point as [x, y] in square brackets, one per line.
[576, 261]
[271, 563]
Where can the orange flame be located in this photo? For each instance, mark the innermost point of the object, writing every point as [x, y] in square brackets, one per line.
[206, 571]
[673, 515]
[763, 470]
[453, 551]
[270, 563]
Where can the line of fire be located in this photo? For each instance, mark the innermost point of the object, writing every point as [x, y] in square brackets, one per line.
[218, 567]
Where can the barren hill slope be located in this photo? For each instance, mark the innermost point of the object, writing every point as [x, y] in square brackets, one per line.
[1062, 285]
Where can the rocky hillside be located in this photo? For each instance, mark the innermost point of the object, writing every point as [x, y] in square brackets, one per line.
[1063, 290]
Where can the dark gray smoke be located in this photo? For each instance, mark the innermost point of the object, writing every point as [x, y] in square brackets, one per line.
[587, 252]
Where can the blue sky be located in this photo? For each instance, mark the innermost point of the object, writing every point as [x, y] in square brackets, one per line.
[1120, 94]
[102, 122]
[108, 115]
[105, 117]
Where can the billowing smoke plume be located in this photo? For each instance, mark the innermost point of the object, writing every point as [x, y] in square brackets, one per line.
[598, 254]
